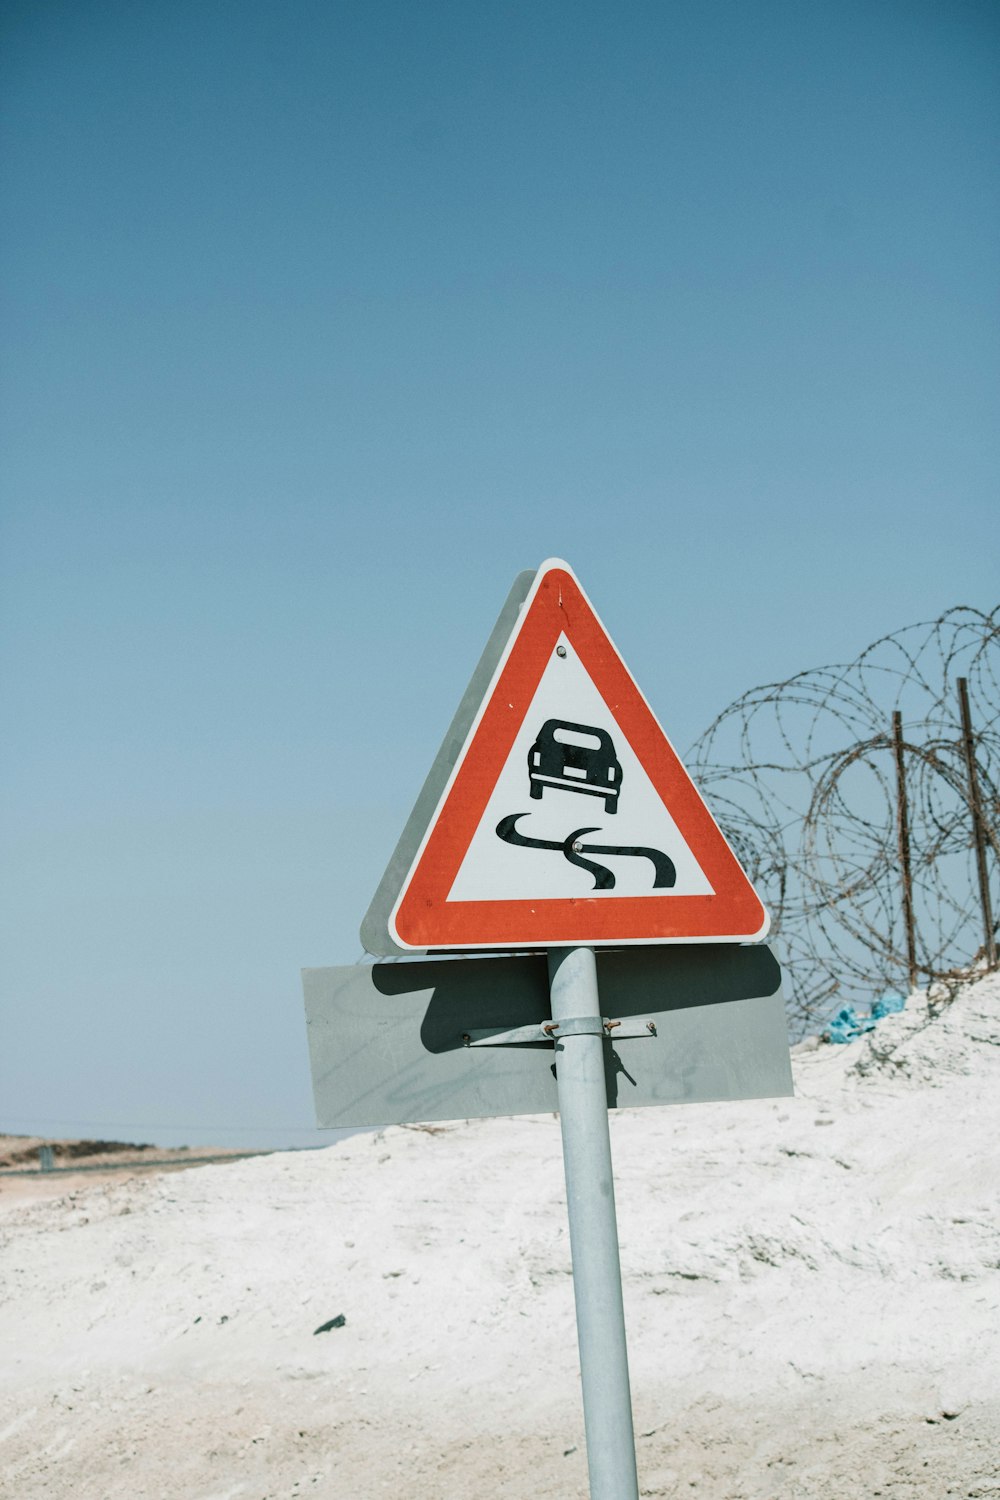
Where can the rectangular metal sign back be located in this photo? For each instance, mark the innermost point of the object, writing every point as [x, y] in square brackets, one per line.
[387, 1041]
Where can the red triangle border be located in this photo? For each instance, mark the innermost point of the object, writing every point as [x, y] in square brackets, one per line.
[425, 919]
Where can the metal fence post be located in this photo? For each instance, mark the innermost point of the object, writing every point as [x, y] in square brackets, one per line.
[978, 822]
[593, 1228]
[903, 845]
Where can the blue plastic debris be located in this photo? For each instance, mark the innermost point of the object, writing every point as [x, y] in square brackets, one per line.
[888, 1006]
[847, 1025]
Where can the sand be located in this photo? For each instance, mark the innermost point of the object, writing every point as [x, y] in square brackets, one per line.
[811, 1289]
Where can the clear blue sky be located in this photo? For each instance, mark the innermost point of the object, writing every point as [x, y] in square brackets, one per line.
[320, 322]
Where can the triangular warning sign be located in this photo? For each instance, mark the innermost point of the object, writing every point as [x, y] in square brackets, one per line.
[567, 816]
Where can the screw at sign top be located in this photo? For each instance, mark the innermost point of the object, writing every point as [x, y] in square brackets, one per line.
[560, 650]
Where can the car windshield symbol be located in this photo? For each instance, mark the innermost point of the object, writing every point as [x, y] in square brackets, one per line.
[575, 758]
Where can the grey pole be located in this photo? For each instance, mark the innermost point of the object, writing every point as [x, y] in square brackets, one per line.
[593, 1228]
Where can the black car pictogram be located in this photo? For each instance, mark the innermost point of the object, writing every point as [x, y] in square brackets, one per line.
[575, 758]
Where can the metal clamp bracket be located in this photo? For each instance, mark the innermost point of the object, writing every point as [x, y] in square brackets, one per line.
[554, 1031]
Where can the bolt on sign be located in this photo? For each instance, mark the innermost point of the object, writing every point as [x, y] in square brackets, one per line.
[563, 813]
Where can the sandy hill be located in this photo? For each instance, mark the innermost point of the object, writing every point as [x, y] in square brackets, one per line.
[811, 1287]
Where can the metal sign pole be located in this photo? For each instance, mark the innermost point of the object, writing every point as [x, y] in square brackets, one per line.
[593, 1229]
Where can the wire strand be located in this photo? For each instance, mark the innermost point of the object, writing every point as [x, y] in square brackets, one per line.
[802, 778]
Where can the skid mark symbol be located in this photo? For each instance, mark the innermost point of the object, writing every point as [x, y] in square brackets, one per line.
[664, 871]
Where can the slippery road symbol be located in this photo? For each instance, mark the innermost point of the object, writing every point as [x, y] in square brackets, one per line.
[581, 758]
[573, 849]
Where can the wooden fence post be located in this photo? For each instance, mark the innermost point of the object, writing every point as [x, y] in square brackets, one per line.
[978, 822]
[903, 844]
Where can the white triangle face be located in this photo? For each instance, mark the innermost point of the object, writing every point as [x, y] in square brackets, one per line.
[578, 815]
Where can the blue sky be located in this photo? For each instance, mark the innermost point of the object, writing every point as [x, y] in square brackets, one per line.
[321, 321]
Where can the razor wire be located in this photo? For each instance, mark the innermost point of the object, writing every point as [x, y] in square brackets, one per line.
[803, 777]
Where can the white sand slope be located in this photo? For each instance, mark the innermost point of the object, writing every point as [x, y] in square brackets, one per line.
[811, 1287]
